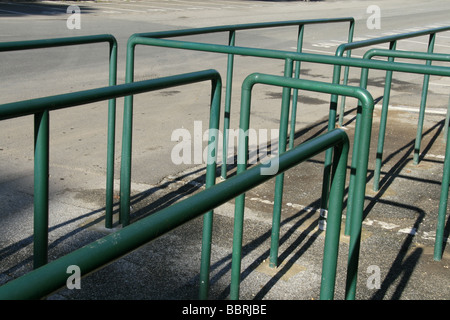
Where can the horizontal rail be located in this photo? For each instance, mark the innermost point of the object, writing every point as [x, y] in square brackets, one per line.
[56, 42]
[53, 276]
[295, 56]
[374, 41]
[236, 27]
[29, 107]
[406, 54]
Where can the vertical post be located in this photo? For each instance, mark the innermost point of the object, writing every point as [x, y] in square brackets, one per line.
[438, 244]
[125, 169]
[111, 139]
[363, 132]
[242, 156]
[41, 174]
[423, 103]
[447, 120]
[355, 154]
[295, 90]
[214, 120]
[383, 121]
[329, 152]
[279, 180]
[346, 72]
[331, 248]
[227, 112]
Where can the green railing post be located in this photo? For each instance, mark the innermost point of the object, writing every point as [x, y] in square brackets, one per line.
[242, 157]
[357, 144]
[383, 121]
[41, 174]
[423, 102]
[333, 230]
[301, 30]
[346, 73]
[227, 112]
[361, 146]
[111, 138]
[447, 120]
[329, 153]
[210, 180]
[127, 131]
[439, 239]
[279, 180]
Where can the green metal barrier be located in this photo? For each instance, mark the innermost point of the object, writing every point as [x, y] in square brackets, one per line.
[363, 84]
[232, 29]
[308, 85]
[41, 123]
[439, 240]
[357, 181]
[53, 276]
[125, 180]
[381, 137]
[392, 40]
[42, 106]
[383, 119]
[361, 143]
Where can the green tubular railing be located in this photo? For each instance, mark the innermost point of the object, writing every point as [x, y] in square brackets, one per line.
[125, 181]
[300, 84]
[52, 276]
[41, 123]
[381, 137]
[359, 183]
[44, 105]
[232, 29]
[392, 40]
[440, 227]
[383, 119]
[363, 83]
